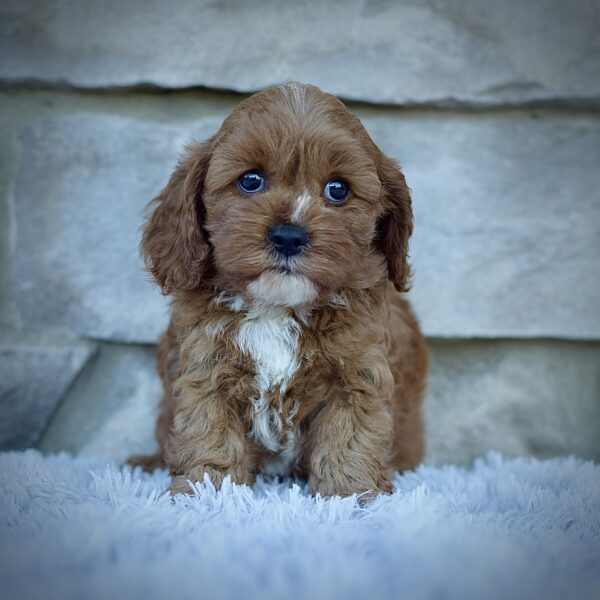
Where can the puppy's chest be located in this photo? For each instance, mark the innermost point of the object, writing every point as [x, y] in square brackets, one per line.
[271, 338]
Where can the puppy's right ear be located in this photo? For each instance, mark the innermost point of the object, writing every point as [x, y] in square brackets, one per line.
[173, 245]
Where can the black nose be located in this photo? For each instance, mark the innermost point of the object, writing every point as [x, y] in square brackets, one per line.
[288, 240]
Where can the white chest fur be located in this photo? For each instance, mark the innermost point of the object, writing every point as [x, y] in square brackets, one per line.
[269, 335]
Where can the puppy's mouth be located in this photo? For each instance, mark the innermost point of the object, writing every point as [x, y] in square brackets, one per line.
[285, 269]
[282, 286]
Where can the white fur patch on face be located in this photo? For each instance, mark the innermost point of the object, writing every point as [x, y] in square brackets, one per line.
[302, 204]
[282, 289]
[270, 337]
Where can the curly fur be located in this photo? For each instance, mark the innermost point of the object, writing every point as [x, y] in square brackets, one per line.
[315, 363]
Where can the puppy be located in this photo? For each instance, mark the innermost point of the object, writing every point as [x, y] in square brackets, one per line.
[283, 241]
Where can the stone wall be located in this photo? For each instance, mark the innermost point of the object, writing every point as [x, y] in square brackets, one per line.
[492, 109]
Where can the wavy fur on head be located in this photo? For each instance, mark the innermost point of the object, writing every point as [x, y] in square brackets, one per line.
[312, 363]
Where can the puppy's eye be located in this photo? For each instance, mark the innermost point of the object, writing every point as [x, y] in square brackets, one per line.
[251, 182]
[336, 191]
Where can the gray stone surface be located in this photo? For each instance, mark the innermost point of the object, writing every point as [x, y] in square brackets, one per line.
[507, 222]
[111, 410]
[81, 193]
[507, 210]
[378, 50]
[8, 312]
[33, 380]
[520, 398]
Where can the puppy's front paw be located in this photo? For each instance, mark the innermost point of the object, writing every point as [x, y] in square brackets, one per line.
[366, 493]
[180, 484]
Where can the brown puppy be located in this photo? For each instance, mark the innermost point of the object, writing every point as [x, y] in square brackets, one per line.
[288, 349]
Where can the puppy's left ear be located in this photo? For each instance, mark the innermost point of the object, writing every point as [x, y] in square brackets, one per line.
[396, 224]
[174, 246]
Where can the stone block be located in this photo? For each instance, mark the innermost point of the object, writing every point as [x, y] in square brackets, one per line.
[507, 221]
[111, 410]
[532, 398]
[8, 154]
[402, 52]
[539, 398]
[81, 193]
[33, 380]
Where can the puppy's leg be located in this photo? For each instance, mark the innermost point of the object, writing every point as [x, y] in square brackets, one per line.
[208, 436]
[350, 441]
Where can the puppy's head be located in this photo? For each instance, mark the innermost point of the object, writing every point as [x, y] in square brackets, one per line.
[290, 201]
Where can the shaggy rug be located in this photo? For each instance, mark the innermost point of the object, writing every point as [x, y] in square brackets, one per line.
[81, 528]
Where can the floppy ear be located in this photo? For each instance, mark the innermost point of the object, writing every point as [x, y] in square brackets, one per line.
[173, 244]
[396, 224]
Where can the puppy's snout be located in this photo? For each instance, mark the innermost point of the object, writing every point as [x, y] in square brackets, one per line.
[288, 240]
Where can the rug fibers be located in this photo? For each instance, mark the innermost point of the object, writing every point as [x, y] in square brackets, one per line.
[74, 528]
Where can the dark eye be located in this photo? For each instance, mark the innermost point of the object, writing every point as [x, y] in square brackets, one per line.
[336, 191]
[251, 182]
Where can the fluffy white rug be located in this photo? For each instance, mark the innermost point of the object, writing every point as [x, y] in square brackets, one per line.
[79, 528]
